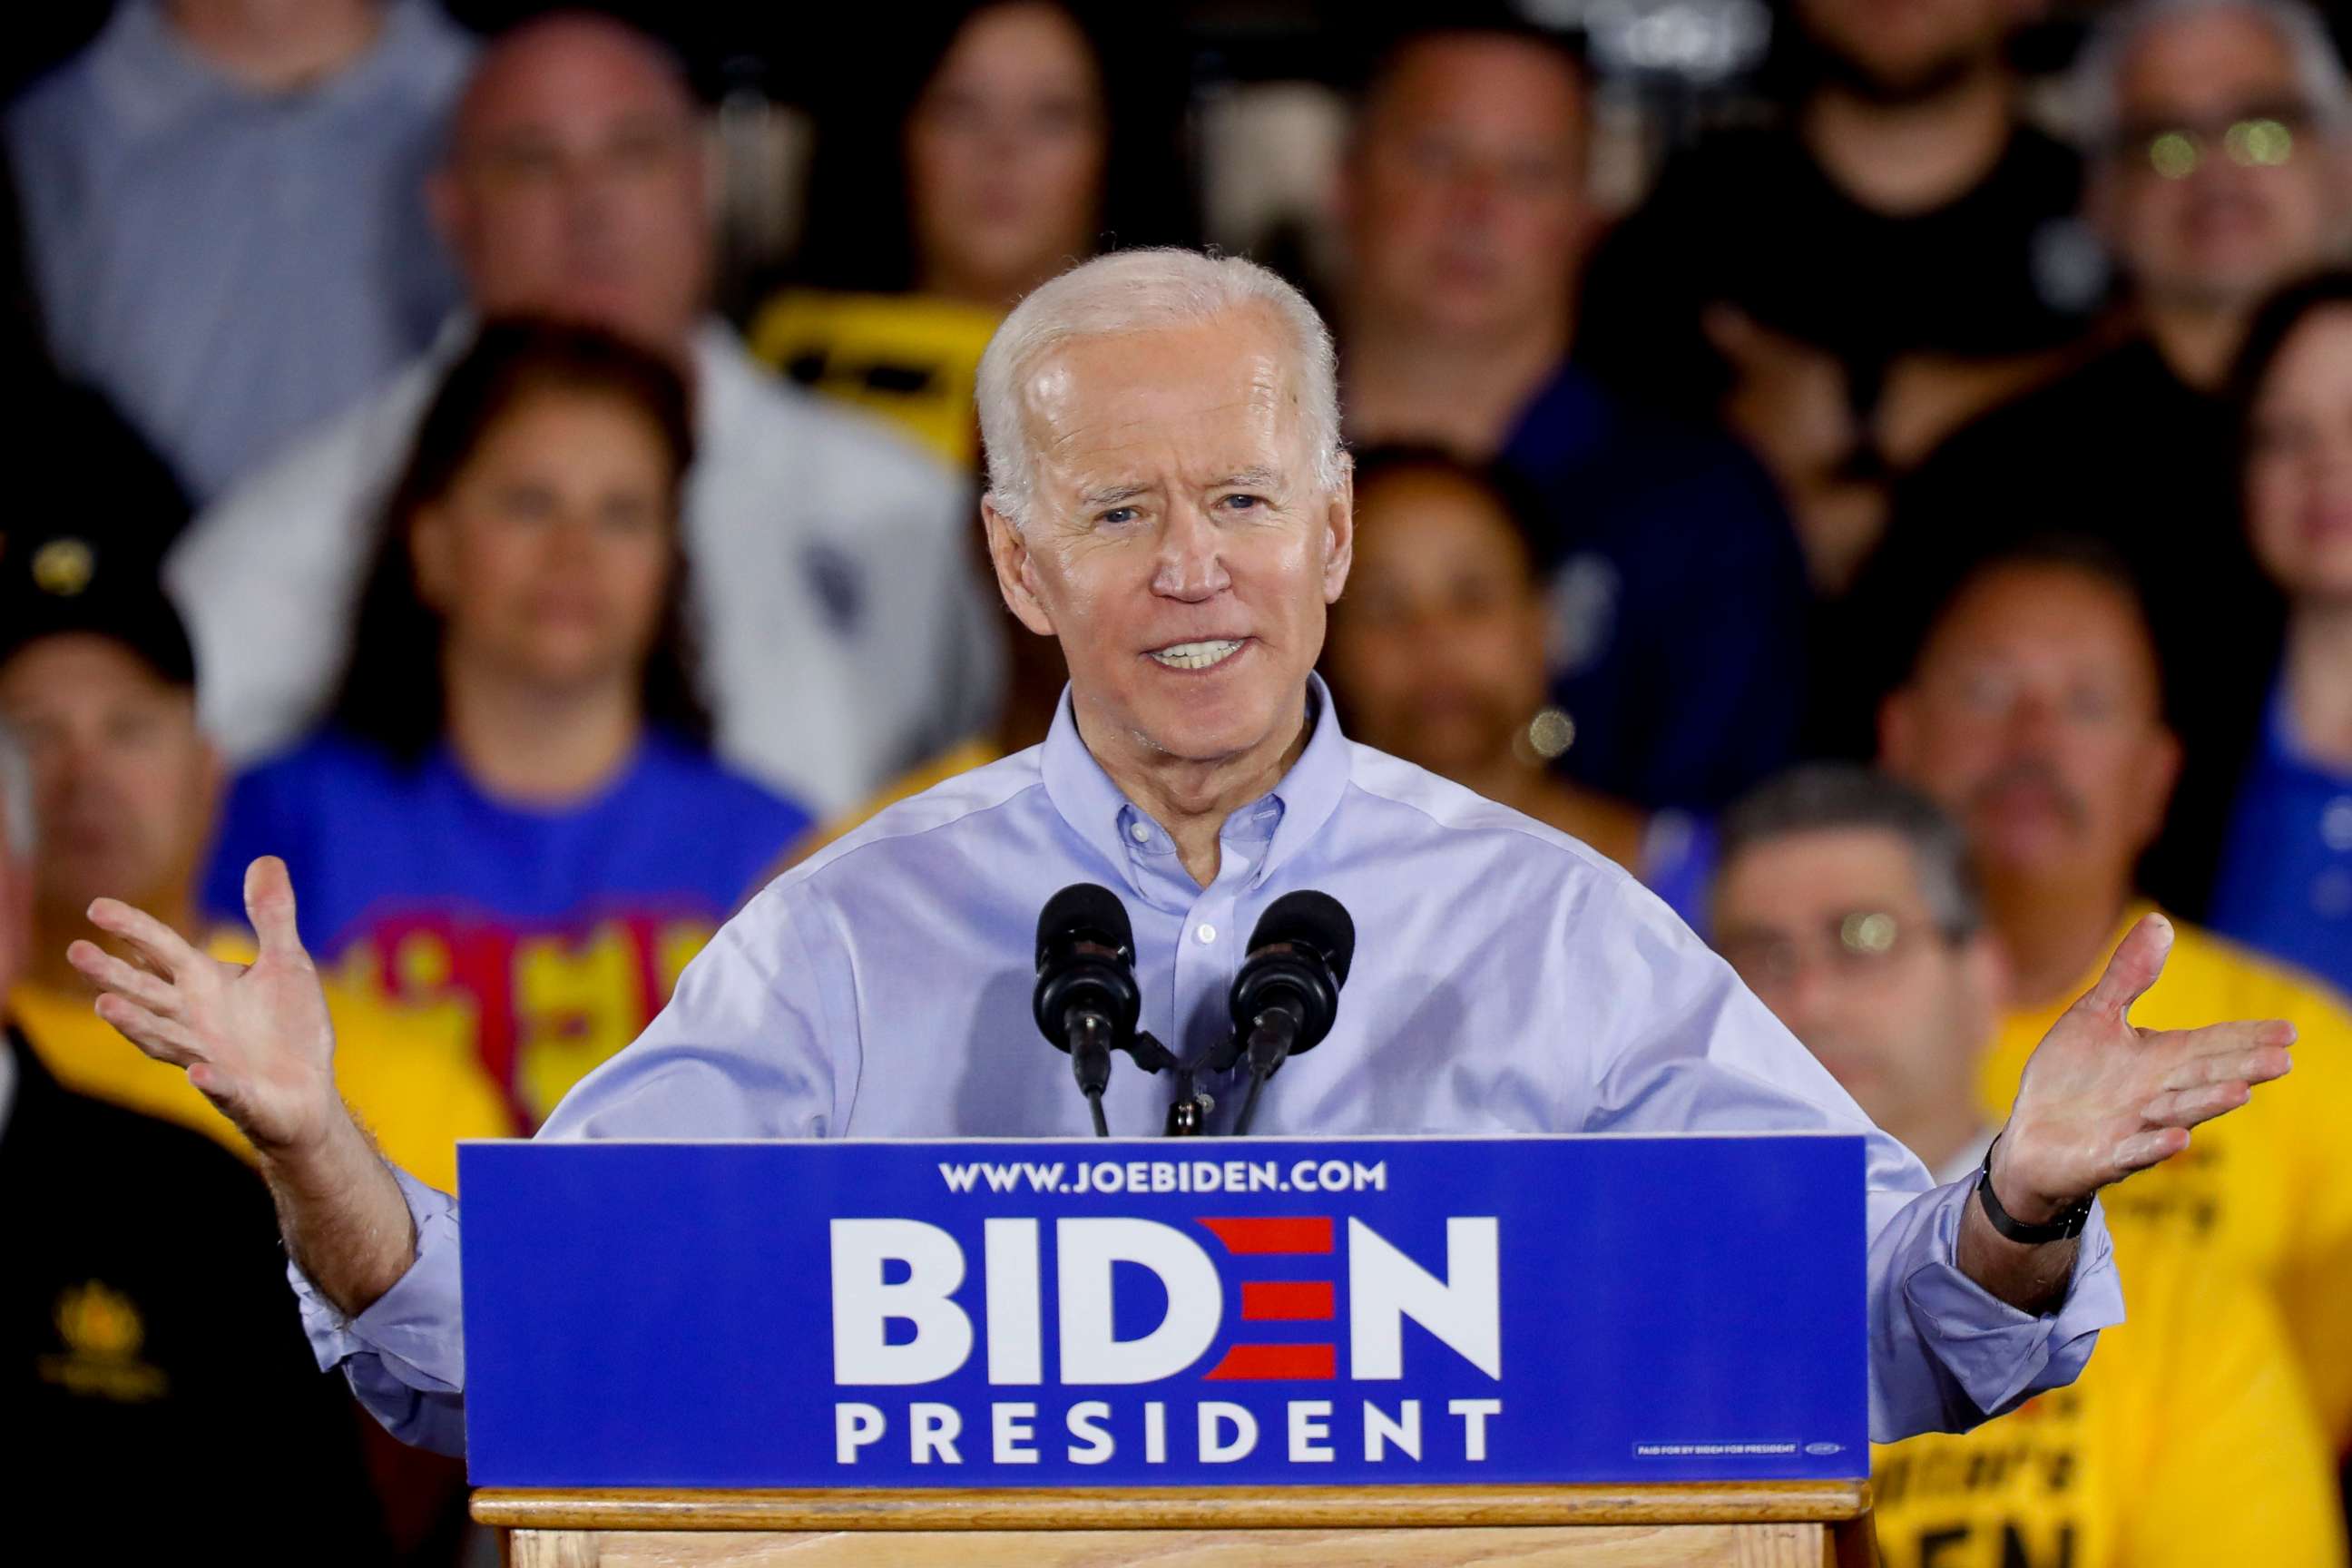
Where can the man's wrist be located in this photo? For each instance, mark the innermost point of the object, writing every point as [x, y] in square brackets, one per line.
[2030, 1220]
[318, 1155]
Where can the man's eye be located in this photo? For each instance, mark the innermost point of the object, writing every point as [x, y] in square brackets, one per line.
[1241, 503]
[1117, 514]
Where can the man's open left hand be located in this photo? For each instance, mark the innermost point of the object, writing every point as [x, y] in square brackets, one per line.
[2101, 1098]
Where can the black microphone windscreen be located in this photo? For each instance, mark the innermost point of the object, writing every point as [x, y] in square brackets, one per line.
[1310, 920]
[1087, 910]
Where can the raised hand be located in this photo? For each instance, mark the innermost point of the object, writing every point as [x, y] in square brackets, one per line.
[2101, 1098]
[255, 1038]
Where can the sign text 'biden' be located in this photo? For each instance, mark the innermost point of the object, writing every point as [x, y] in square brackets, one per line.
[897, 1321]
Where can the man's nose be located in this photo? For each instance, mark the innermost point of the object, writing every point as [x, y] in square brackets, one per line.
[2033, 719]
[591, 186]
[1476, 192]
[1191, 566]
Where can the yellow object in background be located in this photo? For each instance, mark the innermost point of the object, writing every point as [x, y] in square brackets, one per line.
[910, 358]
[2188, 1439]
[410, 1075]
[2267, 1189]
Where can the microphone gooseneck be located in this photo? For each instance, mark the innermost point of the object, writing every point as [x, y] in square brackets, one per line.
[1287, 993]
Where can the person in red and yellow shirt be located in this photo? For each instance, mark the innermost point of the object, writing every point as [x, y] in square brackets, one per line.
[513, 808]
[98, 681]
[1846, 902]
[2034, 715]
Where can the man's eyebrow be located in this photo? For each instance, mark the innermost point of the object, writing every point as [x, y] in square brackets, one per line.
[1247, 479]
[1111, 495]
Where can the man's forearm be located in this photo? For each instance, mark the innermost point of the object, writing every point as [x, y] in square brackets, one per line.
[2032, 1278]
[345, 1223]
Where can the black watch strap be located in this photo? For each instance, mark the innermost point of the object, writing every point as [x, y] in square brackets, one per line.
[2065, 1226]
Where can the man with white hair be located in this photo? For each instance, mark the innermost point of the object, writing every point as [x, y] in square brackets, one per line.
[1168, 498]
[2221, 139]
[844, 634]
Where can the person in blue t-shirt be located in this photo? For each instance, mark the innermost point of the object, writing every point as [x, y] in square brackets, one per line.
[512, 809]
[2285, 877]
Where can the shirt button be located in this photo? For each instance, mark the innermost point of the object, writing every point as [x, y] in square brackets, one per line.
[1206, 932]
[1139, 833]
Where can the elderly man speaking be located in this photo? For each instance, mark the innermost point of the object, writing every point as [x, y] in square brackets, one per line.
[1168, 497]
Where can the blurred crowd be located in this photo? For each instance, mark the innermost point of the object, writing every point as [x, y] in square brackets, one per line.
[1890, 491]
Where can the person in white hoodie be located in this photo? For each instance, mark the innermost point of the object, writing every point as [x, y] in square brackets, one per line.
[844, 632]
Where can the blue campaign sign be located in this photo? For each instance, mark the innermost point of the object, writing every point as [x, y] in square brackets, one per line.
[1213, 1312]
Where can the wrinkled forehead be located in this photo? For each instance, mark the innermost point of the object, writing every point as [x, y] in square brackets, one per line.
[1193, 402]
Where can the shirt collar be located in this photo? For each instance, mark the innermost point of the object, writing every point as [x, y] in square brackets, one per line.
[1100, 814]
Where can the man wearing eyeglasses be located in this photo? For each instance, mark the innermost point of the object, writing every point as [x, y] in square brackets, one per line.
[1846, 902]
[2034, 715]
[2219, 138]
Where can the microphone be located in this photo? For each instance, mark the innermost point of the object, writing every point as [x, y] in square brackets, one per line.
[1086, 1000]
[1287, 992]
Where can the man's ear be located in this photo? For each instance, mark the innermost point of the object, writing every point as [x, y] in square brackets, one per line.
[1016, 570]
[1339, 532]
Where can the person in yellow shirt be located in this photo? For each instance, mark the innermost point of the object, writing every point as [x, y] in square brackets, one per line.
[98, 681]
[2034, 715]
[1846, 901]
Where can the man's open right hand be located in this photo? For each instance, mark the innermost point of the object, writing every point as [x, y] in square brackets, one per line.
[256, 1039]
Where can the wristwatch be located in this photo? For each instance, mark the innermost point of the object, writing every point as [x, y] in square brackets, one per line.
[2065, 1226]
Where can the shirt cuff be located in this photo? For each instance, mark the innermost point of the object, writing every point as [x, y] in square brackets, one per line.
[416, 1328]
[1999, 1355]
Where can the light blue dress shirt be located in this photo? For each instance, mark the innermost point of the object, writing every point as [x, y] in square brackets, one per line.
[1507, 979]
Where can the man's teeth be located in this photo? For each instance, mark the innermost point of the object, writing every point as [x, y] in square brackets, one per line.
[1197, 655]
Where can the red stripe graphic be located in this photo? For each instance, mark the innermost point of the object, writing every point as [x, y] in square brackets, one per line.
[1264, 1363]
[1245, 1236]
[1287, 1301]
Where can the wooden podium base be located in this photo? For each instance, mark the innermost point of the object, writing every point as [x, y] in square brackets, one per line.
[1777, 1525]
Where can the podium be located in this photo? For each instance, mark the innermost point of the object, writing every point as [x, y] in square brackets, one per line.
[1445, 1350]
